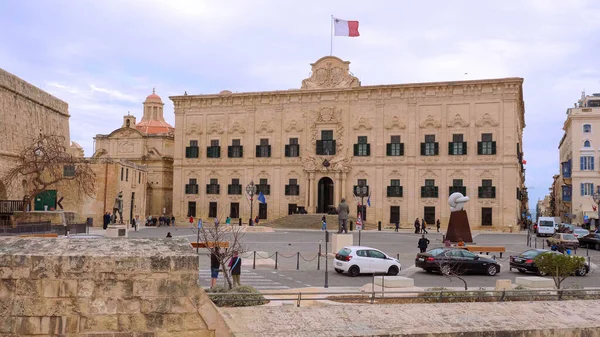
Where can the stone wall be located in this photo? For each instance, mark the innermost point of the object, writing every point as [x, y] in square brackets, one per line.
[103, 287]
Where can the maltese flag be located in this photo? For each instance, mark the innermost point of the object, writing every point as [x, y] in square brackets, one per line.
[345, 27]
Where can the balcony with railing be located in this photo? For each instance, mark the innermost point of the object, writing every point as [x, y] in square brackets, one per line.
[566, 170]
[11, 206]
[567, 191]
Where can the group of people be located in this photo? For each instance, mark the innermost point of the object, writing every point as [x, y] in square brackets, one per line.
[235, 268]
[421, 226]
[163, 220]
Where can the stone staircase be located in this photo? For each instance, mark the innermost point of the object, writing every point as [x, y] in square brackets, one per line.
[311, 221]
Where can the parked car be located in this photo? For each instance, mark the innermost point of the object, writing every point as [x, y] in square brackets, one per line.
[451, 259]
[357, 260]
[565, 239]
[525, 262]
[590, 240]
[580, 232]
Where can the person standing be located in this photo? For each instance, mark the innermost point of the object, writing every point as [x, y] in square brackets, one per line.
[105, 220]
[173, 220]
[256, 219]
[437, 224]
[235, 268]
[137, 222]
[417, 226]
[228, 221]
[216, 222]
[397, 224]
[323, 223]
[214, 268]
[423, 243]
[423, 227]
[343, 211]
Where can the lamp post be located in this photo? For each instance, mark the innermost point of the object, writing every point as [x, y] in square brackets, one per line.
[251, 191]
[361, 191]
[596, 197]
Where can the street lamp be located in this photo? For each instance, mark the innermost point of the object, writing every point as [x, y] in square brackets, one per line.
[361, 191]
[251, 190]
[596, 197]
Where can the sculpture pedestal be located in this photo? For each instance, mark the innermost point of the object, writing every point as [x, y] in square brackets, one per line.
[116, 231]
[458, 227]
[339, 241]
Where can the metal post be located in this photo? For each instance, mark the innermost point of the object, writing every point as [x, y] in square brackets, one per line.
[542, 244]
[535, 243]
[298, 261]
[351, 226]
[359, 237]
[198, 240]
[254, 261]
[275, 260]
[382, 285]
[240, 222]
[319, 257]
[251, 206]
[379, 226]
[398, 256]
[326, 264]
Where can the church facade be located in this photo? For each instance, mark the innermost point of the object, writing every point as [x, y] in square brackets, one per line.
[409, 145]
[147, 144]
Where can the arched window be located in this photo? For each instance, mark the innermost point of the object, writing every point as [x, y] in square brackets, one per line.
[586, 143]
[587, 128]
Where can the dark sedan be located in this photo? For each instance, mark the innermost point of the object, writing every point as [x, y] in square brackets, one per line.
[525, 262]
[447, 260]
[590, 240]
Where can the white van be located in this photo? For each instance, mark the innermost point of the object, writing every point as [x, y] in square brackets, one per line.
[547, 226]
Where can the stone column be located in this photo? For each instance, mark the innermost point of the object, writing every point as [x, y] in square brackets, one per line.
[343, 187]
[336, 188]
[311, 192]
[307, 191]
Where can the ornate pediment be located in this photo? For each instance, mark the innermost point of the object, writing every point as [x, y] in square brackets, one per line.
[486, 174]
[263, 174]
[395, 173]
[215, 127]
[329, 115]
[458, 120]
[395, 123]
[363, 124]
[213, 174]
[192, 173]
[237, 128]
[330, 72]
[265, 127]
[235, 174]
[193, 129]
[294, 126]
[430, 122]
[457, 174]
[429, 174]
[125, 146]
[486, 119]
[361, 174]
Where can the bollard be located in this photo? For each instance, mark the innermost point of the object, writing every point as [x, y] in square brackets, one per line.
[254, 261]
[275, 260]
[319, 258]
[298, 261]
[379, 226]
[398, 256]
[587, 250]
[542, 244]
[351, 226]
[240, 221]
[535, 243]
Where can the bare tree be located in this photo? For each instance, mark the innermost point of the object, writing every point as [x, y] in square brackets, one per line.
[451, 268]
[46, 163]
[210, 236]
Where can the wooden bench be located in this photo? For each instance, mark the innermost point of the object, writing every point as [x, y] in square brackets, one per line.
[47, 235]
[220, 244]
[485, 249]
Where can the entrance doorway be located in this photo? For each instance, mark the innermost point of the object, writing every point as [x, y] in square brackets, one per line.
[325, 189]
[429, 215]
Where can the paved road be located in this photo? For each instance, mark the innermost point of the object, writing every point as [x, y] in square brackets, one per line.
[287, 243]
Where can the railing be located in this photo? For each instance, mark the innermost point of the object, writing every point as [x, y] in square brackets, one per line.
[415, 296]
[11, 206]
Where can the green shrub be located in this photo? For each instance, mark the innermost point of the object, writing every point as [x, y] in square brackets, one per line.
[559, 266]
[243, 296]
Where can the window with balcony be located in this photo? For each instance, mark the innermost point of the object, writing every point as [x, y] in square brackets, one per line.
[263, 187]
[587, 189]
[587, 128]
[362, 148]
[293, 148]
[191, 187]
[292, 187]
[430, 147]
[457, 187]
[191, 209]
[394, 190]
[235, 150]
[214, 150]
[457, 146]
[429, 190]
[566, 193]
[213, 187]
[394, 148]
[487, 146]
[487, 190]
[264, 149]
[235, 187]
[586, 163]
[326, 145]
[566, 169]
[193, 150]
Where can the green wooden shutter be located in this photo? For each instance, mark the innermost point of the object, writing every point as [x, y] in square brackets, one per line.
[422, 191]
[229, 151]
[493, 191]
[268, 150]
[436, 148]
[287, 189]
[207, 188]
[435, 191]
[388, 149]
[356, 149]
[464, 148]
[494, 147]
[422, 149]
[319, 149]
[334, 147]
[479, 191]
[479, 147]
[450, 148]
[241, 151]
[402, 149]
[257, 151]
[368, 149]
[287, 151]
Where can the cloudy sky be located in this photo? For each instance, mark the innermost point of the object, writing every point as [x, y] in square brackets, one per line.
[104, 57]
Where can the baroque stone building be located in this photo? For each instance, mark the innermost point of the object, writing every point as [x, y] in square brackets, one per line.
[148, 143]
[579, 179]
[410, 144]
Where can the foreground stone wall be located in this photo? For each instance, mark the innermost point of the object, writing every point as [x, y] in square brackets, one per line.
[103, 287]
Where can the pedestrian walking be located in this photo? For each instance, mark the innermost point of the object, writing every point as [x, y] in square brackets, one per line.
[417, 226]
[323, 223]
[105, 220]
[228, 221]
[423, 227]
[235, 268]
[397, 224]
[256, 220]
[173, 220]
[437, 224]
[216, 222]
[214, 268]
[137, 222]
[423, 243]
[343, 211]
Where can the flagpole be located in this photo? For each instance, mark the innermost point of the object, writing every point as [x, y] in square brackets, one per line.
[331, 41]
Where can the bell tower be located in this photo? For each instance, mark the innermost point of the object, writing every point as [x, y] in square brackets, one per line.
[128, 121]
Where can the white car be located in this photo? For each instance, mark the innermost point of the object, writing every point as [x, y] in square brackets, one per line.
[580, 232]
[357, 260]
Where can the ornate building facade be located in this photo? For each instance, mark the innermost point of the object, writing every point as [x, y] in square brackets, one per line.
[148, 143]
[410, 144]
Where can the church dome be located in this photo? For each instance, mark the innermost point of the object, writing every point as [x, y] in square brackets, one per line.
[153, 97]
[152, 127]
